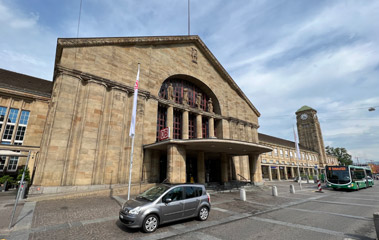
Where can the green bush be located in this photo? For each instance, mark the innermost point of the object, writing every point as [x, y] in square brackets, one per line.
[7, 178]
[27, 175]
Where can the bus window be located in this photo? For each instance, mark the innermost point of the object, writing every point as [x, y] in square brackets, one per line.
[358, 174]
[369, 173]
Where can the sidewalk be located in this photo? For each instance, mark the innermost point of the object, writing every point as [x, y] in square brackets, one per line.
[96, 217]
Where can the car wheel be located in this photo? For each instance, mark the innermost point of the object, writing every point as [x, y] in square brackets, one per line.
[203, 214]
[150, 224]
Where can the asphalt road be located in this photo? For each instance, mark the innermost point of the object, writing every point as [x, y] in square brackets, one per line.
[303, 215]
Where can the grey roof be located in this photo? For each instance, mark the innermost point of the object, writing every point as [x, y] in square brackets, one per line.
[305, 108]
[25, 83]
[279, 141]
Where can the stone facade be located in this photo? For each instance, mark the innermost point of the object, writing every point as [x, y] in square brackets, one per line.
[86, 139]
[16, 95]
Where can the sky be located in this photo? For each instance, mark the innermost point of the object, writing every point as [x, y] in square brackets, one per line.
[282, 54]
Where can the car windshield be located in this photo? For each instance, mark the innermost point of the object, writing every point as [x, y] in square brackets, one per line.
[153, 193]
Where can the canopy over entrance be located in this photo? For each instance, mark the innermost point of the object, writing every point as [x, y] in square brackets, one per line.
[228, 146]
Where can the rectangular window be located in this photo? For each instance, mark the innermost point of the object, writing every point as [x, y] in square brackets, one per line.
[275, 152]
[3, 112]
[177, 134]
[270, 153]
[161, 121]
[281, 152]
[302, 156]
[21, 129]
[12, 165]
[205, 127]
[10, 125]
[286, 153]
[291, 155]
[2, 163]
[191, 126]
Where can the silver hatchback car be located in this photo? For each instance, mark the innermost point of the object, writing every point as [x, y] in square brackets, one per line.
[166, 203]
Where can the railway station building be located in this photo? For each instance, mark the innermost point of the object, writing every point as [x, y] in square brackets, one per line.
[193, 123]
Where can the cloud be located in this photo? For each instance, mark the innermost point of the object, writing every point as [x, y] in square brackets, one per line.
[282, 54]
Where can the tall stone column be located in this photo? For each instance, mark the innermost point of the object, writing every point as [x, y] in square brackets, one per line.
[185, 124]
[256, 169]
[176, 164]
[170, 120]
[211, 127]
[200, 167]
[309, 172]
[269, 173]
[224, 167]
[199, 126]
[292, 172]
[278, 172]
[285, 173]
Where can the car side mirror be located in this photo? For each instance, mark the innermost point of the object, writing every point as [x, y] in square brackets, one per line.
[168, 200]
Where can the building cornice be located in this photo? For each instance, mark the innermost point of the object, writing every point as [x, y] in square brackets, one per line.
[20, 93]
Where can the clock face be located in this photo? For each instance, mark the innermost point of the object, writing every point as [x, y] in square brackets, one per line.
[304, 116]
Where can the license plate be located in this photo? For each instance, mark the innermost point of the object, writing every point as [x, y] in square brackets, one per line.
[122, 217]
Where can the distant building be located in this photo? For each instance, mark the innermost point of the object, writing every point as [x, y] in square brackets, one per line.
[24, 104]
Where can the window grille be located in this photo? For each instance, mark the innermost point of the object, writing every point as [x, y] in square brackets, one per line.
[161, 120]
[177, 134]
[205, 127]
[191, 126]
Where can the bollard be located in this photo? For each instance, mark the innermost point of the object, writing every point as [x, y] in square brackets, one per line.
[319, 189]
[274, 191]
[292, 189]
[242, 194]
[376, 223]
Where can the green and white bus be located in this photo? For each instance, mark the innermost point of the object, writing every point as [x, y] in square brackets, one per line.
[349, 177]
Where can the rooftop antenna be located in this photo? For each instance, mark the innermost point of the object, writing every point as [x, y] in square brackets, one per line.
[80, 12]
[189, 18]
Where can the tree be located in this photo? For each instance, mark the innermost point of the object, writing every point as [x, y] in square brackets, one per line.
[341, 153]
[27, 175]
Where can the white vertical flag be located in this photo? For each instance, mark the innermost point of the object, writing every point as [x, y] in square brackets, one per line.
[296, 144]
[134, 111]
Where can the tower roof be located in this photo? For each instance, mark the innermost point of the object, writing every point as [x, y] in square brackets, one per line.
[305, 108]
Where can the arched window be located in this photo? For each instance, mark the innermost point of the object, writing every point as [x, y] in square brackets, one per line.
[179, 87]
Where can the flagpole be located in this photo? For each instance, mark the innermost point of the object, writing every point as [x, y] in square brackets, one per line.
[133, 128]
[130, 167]
[298, 156]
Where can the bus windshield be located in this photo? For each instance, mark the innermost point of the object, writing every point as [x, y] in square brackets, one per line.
[338, 175]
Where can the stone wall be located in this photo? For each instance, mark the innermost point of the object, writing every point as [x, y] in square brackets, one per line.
[86, 136]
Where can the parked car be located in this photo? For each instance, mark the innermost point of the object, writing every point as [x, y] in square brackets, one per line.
[166, 203]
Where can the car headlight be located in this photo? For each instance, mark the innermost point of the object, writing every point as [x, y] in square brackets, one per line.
[135, 211]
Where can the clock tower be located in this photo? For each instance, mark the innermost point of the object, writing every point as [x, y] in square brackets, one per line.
[309, 131]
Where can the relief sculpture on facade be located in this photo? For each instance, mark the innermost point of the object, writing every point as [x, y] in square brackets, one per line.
[185, 96]
[198, 100]
[170, 92]
[210, 105]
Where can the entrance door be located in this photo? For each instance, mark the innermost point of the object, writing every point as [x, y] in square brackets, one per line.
[191, 168]
[289, 172]
[213, 169]
[162, 167]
